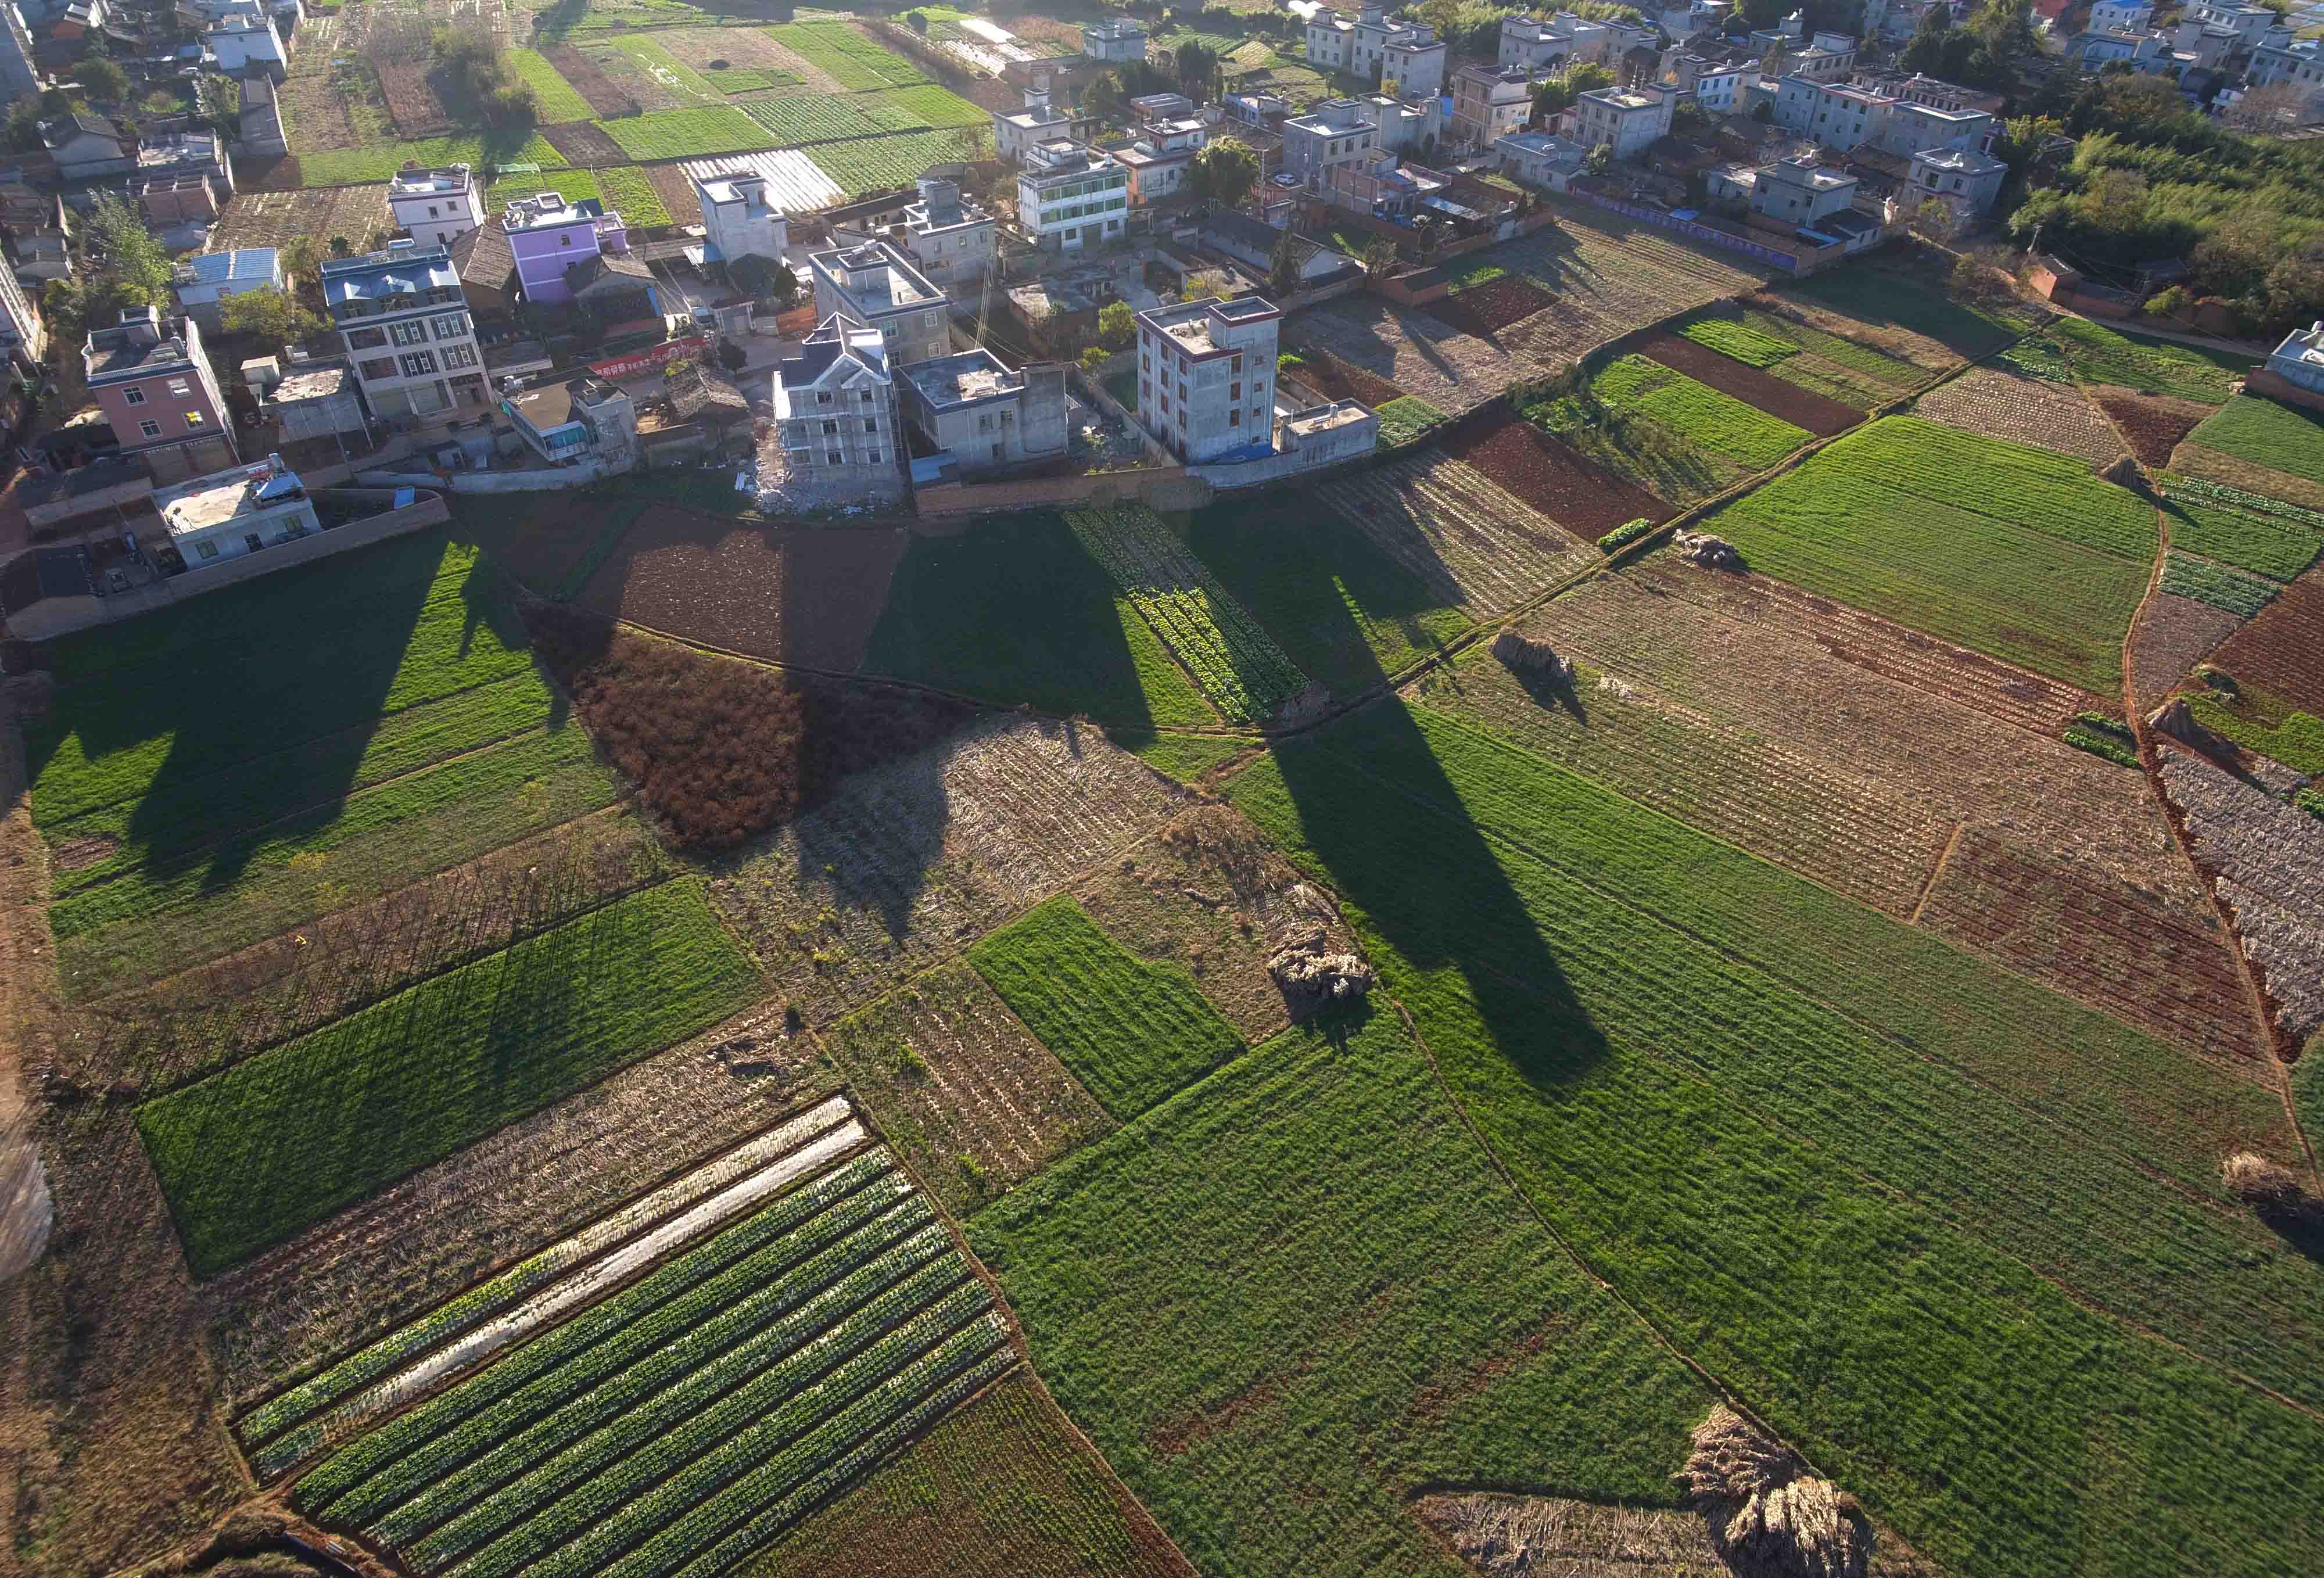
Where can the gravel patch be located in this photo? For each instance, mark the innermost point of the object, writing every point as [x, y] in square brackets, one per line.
[2267, 858]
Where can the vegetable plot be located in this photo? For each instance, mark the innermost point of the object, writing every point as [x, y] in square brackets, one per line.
[1236, 662]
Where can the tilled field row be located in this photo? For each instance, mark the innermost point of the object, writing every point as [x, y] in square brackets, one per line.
[1469, 540]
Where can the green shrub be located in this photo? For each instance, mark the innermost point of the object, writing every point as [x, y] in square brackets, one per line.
[1622, 536]
[2098, 744]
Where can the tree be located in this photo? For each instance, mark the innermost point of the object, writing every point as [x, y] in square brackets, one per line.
[732, 356]
[131, 268]
[1600, 158]
[1094, 358]
[1203, 285]
[275, 316]
[103, 79]
[2280, 107]
[221, 102]
[1116, 326]
[1199, 77]
[763, 280]
[1936, 220]
[2171, 302]
[1926, 52]
[301, 257]
[918, 21]
[1379, 255]
[25, 124]
[1283, 266]
[1223, 172]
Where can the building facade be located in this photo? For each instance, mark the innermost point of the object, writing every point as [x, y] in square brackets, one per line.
[1120, 38]
[1967, 180]
[1549, 43]
[1017, 130]
[1628, 119]
[1489, 102]
[1339, 130]
[248, 43]
[1797, 192]
[737, 221]
[835, 411]
[1206, 376]
[987, 417]
[582, 419]
[949, 237]
[24, 337]
[1071, 195]
[548, 235]
[152, 381]
[435, 206]
[204, 281]
[2300, 358]
[231, 514]
[1159, 160]
[873, 286]
[406, 328]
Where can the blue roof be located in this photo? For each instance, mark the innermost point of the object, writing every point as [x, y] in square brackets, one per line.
[217, 268]
[399, 272]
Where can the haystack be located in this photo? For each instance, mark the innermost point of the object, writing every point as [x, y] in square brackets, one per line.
[1309, 977]
[1525, 654]
[2268, 1187]
[2177, 719]
[1715, 553]
[1769, 1516]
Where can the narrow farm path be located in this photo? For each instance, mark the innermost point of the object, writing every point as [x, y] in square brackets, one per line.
[26, 1212]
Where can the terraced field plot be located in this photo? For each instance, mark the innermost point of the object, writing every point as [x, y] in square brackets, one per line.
[1675, 1062]
[694, 1416]
[877, 162]
[2268, 861]
[1407, 347]
[2266, 433]
[1695, 414]
[429, 739]
[2270, 538]
[2005, 550]
[2277, 662]
[271, 218]
[1368, 1278]
[973, 1101]
[1857, 754]
[2007, 405]
[649, 73]
[2153, 428]
[845, 55]
[1002, 1487]
[1607, 277]
[909, 864]
[1827, 360]
[2099, 354]
[687, 133]
[1469, 543]
[1911, 310]
[1583, 498]
[1784, 401]
[2173, 635]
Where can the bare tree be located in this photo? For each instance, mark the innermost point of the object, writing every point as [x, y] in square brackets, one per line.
[2278, 107]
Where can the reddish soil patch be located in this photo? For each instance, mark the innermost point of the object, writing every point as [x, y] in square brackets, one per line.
[583, 146]
[676, 189]
[2151, 428]
[1583, 497]
[1333, 379]
[720, 749]
[1491, 307]
[1794, 404]
[2174, 635]
[2281, 652]
[604, 96]
[808, 597]
[412, 101]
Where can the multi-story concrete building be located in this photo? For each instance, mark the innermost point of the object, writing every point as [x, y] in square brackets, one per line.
[1331, 38]
[1830, 58]
[874, 286]
[247, 41]
[1846, 116]
[406, 328]
[1374, 45]
[948, 237]
[2250, 24]
[1206, 375]
[1339, 130]
[1160, 107]
[1489, 102]
[835, 411]
[2299, 360]
[1537, 158]
[581, 418]
[1071, 195]
[1016, 131]
[1628, 119]
[435, 206]
[152, 381]
[204, 281]
[2124, 16]
[2301, 64]
[1965, 180]
[1120, 38]
[988, 418]
[1160, 157]
[229, 515]
[23, 338]
[1549, 43]
[549, 235]
[737, 221]
[1800, 191]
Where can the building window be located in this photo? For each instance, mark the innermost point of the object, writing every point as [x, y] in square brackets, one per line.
[831, 429]
[871, 425]
[150, 429]
[460, 355]
[409, 334]
[206, 549]
[1234, 392]
[135, 396]
[182, 389]
[1235, 419]
[418, 364]
[867, 397]
[875, 458]
[565, 241]
[431, 210]
[366, 340]
[834, 458]
[822, 397]
[379, 367]
[449, 328]
[193, 421]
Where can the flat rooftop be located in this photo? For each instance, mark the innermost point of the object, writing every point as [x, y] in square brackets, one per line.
[1189, 322]
[964, 378]
[417, 183]
[874, 277]
[219, 497]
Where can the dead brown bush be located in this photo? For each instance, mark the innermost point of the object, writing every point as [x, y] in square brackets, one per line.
[721, 748]
[1769, 1517]
[1527, 654]
[2269, 1187]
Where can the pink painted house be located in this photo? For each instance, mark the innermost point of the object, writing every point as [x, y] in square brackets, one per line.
[151, 378]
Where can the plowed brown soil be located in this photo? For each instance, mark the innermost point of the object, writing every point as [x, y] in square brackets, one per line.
[2281, 652]
[1333, 379]
[1794, 404]
[1493, 306]
[604, 94]
[808, 597]
[1583, 497]
[2153, 425]
[583, 146]
[2173, 634]
[672, 185]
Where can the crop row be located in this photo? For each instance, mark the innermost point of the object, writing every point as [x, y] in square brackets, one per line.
[704, 132]
[251, 1155]
[2223, 588]
[2219, 493]
[1236, 662]
[669, 1473]
[2282, 438]
[634, 1321]
[956, 1378]
[855, 60]
[1132, 1031]
[1706, 418]
[1753, 348]
[877, 163]
[816, 118]
[927, 105]
[367, 1365]
[758, 1349]
[2265, 544]
[1836, 1227]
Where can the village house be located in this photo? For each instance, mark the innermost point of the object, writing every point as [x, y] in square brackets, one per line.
[406, 328]
[986, 417]
[581, 418]
[1539, 159]
[1252, 242]
[153, 382]
[1071, 195]
[836, 413]
[948, 237]
[1489, 102]
[737, 221]
[23, 338]
[204, 281]
[1160, 159]
[1206, 373]
[549, 236]
[1630, 120]
[1339, 130]
[86, 146]
[435, 206]
[1967, 180]
[486, 266]
[234, 513]
[315, 398]
[874, 287]
[1377, 48]
[248, 43]
[2299, 360]
[1016, 131]
[1120, 38]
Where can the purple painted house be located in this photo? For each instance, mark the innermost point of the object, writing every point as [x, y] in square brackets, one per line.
[550, 236]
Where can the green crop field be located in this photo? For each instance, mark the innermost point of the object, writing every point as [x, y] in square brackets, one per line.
[814, 118]
[1909, 1208]
[555, 97]
[1916, 301]
[1831, 364]
[1701, 415]
[1132, 1031]
[687, 133]
[700, 1411]
[665, 68]
[1345, 612]
[2262, 722]
[1015, 610]
[1405, 418]
[2273, 546]
[2099, 354]
[573, 185]
[1289, 1294]
[877, 163]
[2012, 550]
[1745, 344]
[2223, 588]
[2282, 438]
[853, 59]
[378, 160]
[249, 1156]
[927, 105]
[628, 192]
